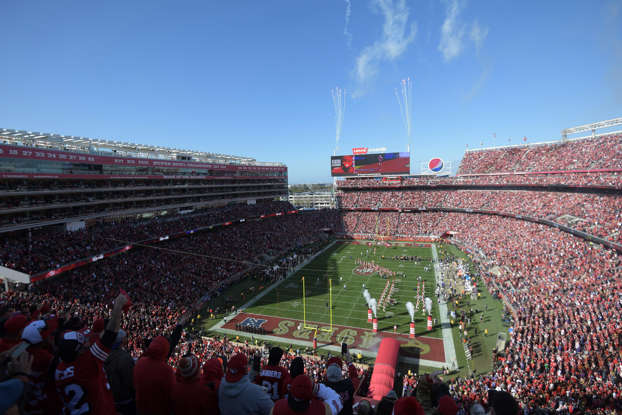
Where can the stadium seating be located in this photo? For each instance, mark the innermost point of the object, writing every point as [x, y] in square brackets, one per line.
[47, 249]
[596, 214]
[584, 154]
[610, 179]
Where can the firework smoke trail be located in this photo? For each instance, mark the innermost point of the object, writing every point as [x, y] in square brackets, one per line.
[411, 311]
[373, 303]
[404, 100]
[367, 297]
[339, 104]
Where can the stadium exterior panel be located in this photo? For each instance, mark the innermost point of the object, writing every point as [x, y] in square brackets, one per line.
[47, 179]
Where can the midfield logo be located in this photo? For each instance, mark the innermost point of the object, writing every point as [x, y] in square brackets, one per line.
[252, 322]
[364, 270]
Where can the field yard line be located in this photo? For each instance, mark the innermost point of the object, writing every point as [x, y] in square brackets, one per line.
[273, 286]
[356, 302]
[448, 338]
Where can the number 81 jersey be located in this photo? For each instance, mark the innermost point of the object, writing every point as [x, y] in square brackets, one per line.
[274, 380]
[82, 384]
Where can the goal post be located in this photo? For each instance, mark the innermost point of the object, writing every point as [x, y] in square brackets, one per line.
[330, 307]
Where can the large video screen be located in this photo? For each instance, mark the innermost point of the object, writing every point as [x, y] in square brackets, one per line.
[342, 165]
[385, 163]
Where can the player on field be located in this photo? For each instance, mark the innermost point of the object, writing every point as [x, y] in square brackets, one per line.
[272, 377]
[80, 378]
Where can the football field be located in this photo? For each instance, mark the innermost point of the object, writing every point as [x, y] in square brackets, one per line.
[338, 276]
[334, 310]
[346, 267]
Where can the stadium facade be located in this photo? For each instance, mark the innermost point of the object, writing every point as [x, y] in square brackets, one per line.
[48, 179]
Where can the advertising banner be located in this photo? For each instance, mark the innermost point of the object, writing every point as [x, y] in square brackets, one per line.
[360, 150]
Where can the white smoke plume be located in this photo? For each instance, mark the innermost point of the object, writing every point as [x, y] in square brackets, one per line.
[372, 305]
[367, 297]
[428, 305]
[411, 310]
[346, 32]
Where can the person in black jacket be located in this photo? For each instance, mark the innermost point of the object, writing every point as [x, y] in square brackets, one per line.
[120, 370]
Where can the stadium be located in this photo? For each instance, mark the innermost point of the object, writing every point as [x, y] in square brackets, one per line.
[375, 207]
[502, 277]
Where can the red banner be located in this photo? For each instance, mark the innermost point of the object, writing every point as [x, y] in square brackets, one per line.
[64, 156]
[360, 150]
[124, 177]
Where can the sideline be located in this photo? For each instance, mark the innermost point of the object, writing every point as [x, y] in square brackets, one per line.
[448, 338]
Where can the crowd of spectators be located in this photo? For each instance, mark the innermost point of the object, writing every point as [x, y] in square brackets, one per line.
[607, 179]
[64, 357]
[169, 279]
[592, 153]
[567, 293]
[565, 350]
[41, 250]
[596, 214]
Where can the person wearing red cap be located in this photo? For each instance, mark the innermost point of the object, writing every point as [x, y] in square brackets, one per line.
[300, 400]
[237, 395]
[212, 374]
[190, 395]
[154, 378]
[447, 406]
[407, 406]
[304, 398]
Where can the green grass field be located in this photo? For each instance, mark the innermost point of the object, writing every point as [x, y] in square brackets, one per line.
[349, 305]
[350, 308]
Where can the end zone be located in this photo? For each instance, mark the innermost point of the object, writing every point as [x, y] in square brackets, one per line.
[428, 351]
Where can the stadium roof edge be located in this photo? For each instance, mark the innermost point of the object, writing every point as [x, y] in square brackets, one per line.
[591, 127]
[106, 147]
[544, 142]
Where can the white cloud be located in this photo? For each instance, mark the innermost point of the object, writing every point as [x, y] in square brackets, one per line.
[397, 34]
[478, 35]
[452, 32]
[346, 32]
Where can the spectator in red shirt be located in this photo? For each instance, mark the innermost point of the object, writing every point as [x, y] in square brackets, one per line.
[190, 395]
[272, 377]
[154, 379]
[80, 377]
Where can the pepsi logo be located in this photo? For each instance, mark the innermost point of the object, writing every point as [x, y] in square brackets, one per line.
[435, 165]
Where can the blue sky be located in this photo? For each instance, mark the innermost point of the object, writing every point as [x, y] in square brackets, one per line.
[254, 78]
